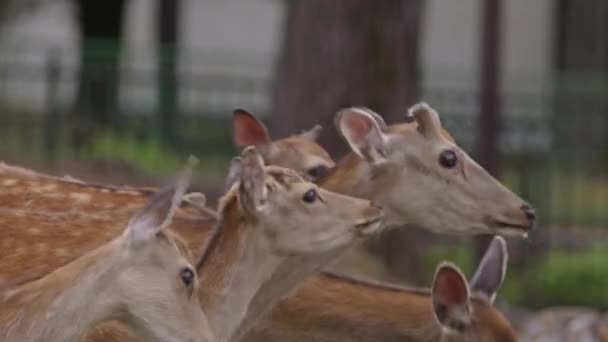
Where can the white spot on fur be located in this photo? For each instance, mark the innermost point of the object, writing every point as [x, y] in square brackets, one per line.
[9, 182]
[80, 197]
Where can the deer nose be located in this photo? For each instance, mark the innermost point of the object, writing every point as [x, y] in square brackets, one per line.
[375, 205]
[529, 211]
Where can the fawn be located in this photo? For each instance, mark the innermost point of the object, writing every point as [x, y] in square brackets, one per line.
[275, 230]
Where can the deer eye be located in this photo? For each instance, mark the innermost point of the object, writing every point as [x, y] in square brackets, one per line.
[448, 159]
[310, 196]
[317, 171]
[187, 276]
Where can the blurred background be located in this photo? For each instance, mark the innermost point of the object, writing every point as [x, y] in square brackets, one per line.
[121, 91]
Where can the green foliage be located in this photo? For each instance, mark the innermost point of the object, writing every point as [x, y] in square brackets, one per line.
[562, 278]
[460, 255]
[147, 154]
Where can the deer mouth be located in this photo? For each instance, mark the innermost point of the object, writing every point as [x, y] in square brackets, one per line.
[369, 226]
[512, 228]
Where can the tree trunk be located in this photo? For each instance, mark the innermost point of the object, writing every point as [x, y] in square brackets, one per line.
[344, 53]
[101, 27]
[97, 99]
[489, 99]
[168, 19]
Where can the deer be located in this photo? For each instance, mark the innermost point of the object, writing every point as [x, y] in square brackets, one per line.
[299, 152]
[144, 278]
[400, 164]
[275, 229]
[357, 126]
[416, 172]
[356, 310]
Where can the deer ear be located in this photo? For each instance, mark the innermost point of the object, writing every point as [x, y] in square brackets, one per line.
[158, 212]
[428, 120]
[362, 130]
[247, 130]
[234, 172]
[252, 187]
[491, 270]
[313, 133]
[451, 297]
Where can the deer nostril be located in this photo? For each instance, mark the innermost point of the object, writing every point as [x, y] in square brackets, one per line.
[530, 213]
[375, 204]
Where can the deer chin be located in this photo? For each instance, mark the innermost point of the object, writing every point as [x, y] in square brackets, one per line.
[369, 227]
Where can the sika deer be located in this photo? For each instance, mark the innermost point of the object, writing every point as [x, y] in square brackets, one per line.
[414, 169]
[331, 307]
[299, 152]
[275, 230]
[392, 166]
[143, 278]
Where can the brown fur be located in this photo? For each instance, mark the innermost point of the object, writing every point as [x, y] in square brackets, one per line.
[372, 311]
[48, 221]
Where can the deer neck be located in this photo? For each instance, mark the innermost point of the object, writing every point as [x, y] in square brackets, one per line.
[241, 278]
[65, 304]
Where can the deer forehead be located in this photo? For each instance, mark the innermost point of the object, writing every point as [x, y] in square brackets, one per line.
[298, 146]
[412, 128]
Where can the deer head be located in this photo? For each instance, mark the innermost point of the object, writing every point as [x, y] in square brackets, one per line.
[158, 282]
[420, 176]
[299, 152]
[465, 312]
[275, 229]
[298, 216]
[144, 278]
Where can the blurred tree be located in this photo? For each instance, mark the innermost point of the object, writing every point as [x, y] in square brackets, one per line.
[581, 62]
[489, 100]
[168, 17]
[350, 53]
[101, 34]
[343, 53]
[96, 104]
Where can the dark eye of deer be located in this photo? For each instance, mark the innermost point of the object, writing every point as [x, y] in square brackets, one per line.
[187, 276]
[317, 171]
[310, 196]
[448, 159]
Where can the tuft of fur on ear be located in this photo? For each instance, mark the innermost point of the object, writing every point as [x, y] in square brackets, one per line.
[252, 186]
[450, 294]
[428, 120]
[491, 270]
[362, 130]
[160, 209]
[196, 199]
[234, 172]
[313, 133]
[247, 130]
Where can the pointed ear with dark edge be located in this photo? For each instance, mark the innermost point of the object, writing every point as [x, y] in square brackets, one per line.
[252, 186]
[313, 133]
[247, 130]
[362, 130]
[491, 270]
[450, 295]
[428, 120]
[158, 212]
